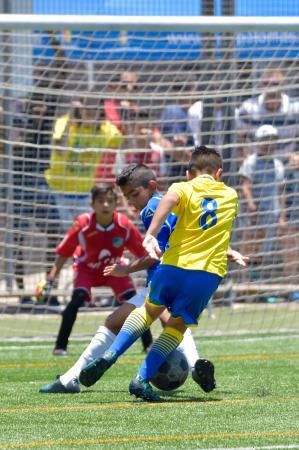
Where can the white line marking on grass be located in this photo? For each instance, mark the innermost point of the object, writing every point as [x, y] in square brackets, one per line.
[22, 347]
[85, 339]
[251, 339]
[268, 447]
[82, 338]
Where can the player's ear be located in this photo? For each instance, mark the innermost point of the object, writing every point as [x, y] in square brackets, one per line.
[218, 174]
[152, 184]
[189, 175]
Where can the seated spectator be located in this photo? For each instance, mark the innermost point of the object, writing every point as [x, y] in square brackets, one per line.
[263, 177]
[78, 158]
[273, 107]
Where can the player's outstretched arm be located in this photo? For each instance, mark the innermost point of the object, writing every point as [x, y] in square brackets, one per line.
[165, 206]
[57, 266]
[237, 257]
[121, 270]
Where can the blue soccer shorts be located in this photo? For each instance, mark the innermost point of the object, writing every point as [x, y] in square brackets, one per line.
[185, 293]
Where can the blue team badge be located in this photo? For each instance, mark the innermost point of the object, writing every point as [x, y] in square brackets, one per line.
[149, 213]
[117, 242]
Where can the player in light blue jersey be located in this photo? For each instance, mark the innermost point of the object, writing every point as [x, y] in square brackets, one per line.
[146, 214]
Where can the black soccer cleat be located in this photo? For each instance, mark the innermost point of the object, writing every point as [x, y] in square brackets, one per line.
[58, 388]
[203, 374]
[142, 389]
[96, 369]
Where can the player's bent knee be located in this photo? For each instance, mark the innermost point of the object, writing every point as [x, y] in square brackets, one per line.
[79, 297]
[164, 317]
[127, 295]
[153, 311]
[177, 323]
[115, 321]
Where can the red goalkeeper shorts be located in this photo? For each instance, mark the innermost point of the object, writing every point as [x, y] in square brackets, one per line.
[87, 279]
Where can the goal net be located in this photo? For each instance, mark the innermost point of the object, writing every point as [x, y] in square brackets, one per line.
[83, 98]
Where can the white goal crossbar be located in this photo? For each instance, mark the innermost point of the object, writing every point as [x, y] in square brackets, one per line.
[203, 24]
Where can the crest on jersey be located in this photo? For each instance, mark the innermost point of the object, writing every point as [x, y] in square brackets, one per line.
[149, 213]
[117, 242]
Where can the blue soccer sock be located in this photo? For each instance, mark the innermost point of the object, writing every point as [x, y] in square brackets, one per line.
[168, 340]
[135, 325]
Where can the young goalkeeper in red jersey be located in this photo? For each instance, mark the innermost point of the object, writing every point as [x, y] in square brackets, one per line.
[95, 240]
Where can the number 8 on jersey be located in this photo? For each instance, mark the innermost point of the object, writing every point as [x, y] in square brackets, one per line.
[209, 218]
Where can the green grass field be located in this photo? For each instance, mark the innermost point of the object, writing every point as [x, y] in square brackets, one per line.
[256, 403]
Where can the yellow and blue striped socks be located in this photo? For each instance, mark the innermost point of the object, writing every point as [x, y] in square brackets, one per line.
[168, 340]
[135, 325]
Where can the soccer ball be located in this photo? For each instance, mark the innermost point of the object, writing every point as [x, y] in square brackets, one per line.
[173, 372]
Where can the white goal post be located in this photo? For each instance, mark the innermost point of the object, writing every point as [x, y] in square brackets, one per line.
[163, 85]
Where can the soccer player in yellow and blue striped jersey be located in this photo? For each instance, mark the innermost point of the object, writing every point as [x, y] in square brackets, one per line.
[191, 269]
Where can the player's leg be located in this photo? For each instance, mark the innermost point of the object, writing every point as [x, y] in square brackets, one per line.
[84, 280]
[202, 370]
[187, 292]
[164, 345]
[69, 315]
[124, 289]
[102, 340]
[137, 322]
[134, 326]
[187, 346]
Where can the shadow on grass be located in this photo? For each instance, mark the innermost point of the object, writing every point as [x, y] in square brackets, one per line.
[167, 397]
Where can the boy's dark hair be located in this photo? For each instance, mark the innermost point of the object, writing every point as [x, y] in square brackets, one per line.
[205, 159]
[102, 189]
[135, 174]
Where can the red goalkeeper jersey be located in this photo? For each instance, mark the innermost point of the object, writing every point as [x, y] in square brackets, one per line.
[95, 247]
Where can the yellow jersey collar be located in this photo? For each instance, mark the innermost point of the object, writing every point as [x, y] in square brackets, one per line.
[209, 177]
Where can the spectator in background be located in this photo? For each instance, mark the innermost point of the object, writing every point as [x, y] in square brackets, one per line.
[263, 177]
[120, 111]
[272, 107]
[149, 146]
[180, 125]
[82, 138]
